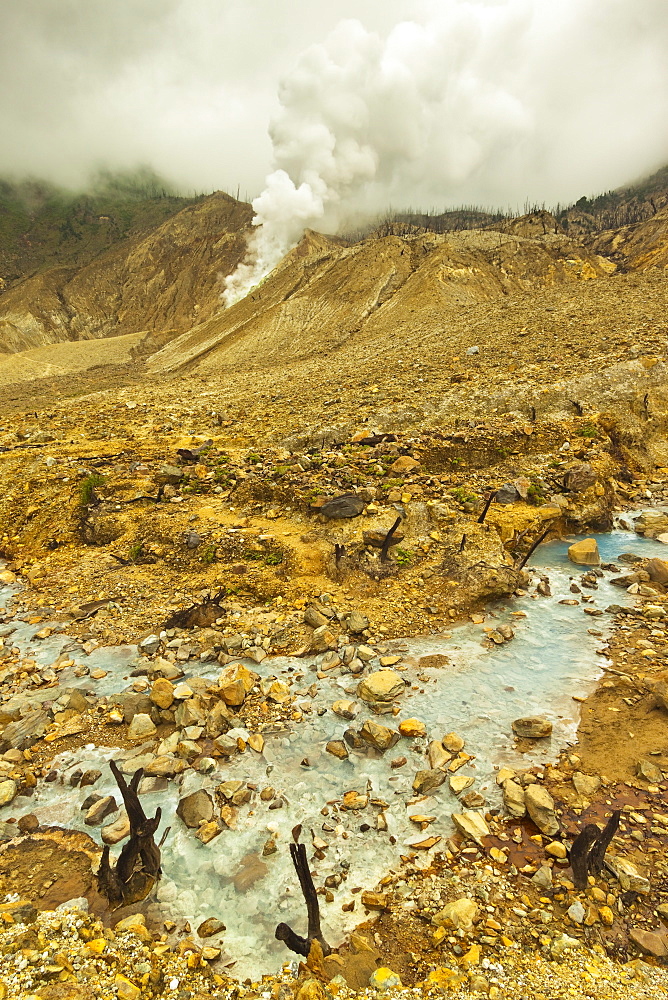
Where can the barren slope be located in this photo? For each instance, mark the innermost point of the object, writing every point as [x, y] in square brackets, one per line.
[165, 280]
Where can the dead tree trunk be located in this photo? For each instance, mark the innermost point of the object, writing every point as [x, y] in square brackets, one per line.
[294, 941]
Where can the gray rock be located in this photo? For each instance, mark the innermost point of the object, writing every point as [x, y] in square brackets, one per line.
[357, 622]
[580, 477]
[346, 505]
[508, 493]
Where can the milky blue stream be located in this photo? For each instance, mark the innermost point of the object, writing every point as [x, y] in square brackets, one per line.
[552, 659]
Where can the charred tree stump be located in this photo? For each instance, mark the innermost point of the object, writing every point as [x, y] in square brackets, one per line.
[587, 853]
[579, 854]
[138, 867]
[295, 942]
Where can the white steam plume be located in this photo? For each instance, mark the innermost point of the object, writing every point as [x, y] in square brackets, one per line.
[495, 101]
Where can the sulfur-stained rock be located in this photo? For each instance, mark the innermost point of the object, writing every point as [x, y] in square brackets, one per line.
[586, 784]
[426, 781]
[141, 728]
[460, 782]
[513, 799]
[337, 748]
[658, 570]
[162, 693]
[8, 791]
[533, 727]
[472, 825]
[381, 685]
[651, 942]
[540, 806]
[379, 737]
[453, 742]
[412, 728]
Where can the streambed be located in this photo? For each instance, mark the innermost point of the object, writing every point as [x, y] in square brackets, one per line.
[553, 658]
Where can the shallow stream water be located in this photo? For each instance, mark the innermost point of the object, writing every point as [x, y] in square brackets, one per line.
[552, 659]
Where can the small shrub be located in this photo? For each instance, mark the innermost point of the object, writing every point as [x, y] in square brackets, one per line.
[136, 551]
[587, 431]
[208, 554]
[88, 486]
[403, 556]
[463, 495]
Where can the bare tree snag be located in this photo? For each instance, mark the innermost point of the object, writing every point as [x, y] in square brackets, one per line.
[138, 867]
[294, 941]
[533, 547]
[488, 503]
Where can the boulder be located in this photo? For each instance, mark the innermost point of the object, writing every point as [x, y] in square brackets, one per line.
[651, 942]
[24, 732]
[657, 570]
[471, 825]
[381, 685]
[532, 727]
[584, 552]
[453, 742]
[460, 914]
[580, 477]
[114, 832]
[195, 809]
[412, 728]
[404, 464]
[651, 524]
[540, 806]
[508, 493]
[337, 748]
[100, 810]
[357, 622]
[649, 771]
[8, 791]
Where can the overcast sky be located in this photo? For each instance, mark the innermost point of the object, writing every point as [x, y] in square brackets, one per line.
[477, 100]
